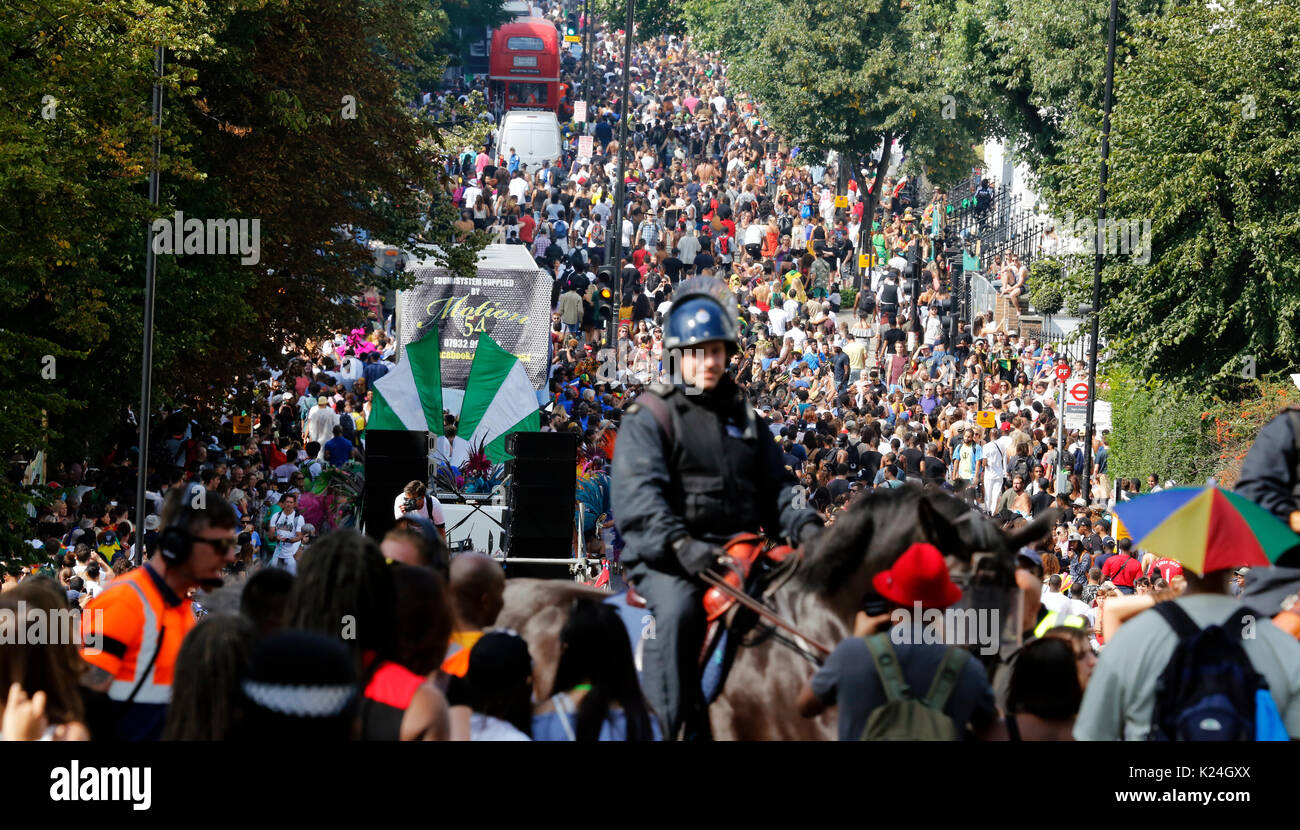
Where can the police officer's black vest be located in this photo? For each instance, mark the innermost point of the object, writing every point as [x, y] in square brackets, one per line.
[714, 476]
[1293, 415]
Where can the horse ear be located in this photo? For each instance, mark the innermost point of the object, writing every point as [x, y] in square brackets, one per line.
[938, 530]
[1035, 530]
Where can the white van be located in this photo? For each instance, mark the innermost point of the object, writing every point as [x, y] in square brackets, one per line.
[519, 9]
[535, 136]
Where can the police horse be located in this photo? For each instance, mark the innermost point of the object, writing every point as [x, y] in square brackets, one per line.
[817, 593]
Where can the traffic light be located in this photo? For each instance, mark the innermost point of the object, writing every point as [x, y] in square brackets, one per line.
[571, 25]
[604, 295]
[604, 314]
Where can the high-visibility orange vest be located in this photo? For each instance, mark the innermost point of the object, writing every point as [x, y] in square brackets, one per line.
[136, 638]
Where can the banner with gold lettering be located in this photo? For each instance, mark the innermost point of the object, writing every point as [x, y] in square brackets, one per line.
[508, 299]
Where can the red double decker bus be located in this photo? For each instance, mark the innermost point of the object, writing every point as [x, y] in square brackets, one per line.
[524, 66]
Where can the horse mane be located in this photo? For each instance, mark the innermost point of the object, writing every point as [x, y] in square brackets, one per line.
[840, 551]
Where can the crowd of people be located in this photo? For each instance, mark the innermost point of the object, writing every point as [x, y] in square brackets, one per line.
[861, 375]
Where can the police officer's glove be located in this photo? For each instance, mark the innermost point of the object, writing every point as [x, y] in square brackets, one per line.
[697, 556]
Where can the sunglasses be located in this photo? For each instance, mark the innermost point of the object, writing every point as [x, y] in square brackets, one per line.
[221, 546]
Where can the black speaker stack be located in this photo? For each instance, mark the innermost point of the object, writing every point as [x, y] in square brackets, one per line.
[540, 501]
[394, 458]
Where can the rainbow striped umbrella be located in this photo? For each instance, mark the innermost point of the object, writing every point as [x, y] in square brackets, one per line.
[1206, 529]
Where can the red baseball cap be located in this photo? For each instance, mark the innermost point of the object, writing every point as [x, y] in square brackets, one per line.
[919, 575]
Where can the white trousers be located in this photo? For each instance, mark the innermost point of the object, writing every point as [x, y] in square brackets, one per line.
[992, 491]
[287, 562]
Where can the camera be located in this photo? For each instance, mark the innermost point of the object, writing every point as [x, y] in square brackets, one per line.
[409, 505]
[874, 605]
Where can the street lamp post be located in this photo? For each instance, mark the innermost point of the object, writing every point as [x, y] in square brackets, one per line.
[146, 354]
[586, 59]
[616, 236]
[1097, 252]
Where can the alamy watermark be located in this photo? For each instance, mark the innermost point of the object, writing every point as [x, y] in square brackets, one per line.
[77, 783]
[951, 626]
[178, 235]
[1111, 236]
[32, 625]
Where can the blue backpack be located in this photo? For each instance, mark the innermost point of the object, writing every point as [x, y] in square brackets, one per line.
[1209, 691]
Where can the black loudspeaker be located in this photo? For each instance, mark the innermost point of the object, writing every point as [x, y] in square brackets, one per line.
[540, 473]
[543, 446]
[394, 458]
[540, 501]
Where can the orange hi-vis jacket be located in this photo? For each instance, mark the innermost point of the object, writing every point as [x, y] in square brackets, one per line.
[139, 637]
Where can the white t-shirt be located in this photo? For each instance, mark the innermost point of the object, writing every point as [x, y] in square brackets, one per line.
[995, 459]
[1055, 601]
[688, 246]
[776, 318]
[518, 188]
[289, 525]
[797, 337]
[432, 508]
[321, 423]
[1083, 609]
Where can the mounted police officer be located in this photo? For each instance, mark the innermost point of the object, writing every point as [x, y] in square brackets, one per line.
[695, 465]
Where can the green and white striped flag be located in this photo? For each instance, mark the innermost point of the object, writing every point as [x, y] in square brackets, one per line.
[499, 400]
[410, 396]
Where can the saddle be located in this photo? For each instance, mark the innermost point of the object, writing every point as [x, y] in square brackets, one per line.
[759, 568]
[746, 550]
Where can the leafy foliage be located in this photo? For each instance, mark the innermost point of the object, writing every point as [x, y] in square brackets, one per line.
[1042, 63]
[1205, 143]
[255, 126]
[1187, 435]
[652, 18]
[1046, 298]
[1156, 429]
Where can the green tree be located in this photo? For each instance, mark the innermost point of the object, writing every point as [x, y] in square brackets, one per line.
[652, 18]
[1204, 148]
[296, 114]
[1042, 63]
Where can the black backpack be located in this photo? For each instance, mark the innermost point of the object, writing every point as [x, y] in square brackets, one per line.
[1208, 690]
[1018, 466]
[784, 225]
[865, 301]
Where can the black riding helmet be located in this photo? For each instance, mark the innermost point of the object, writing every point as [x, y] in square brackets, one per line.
[704, 310]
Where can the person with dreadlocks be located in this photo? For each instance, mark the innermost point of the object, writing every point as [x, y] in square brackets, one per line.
[206, 693]
[346, 589]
